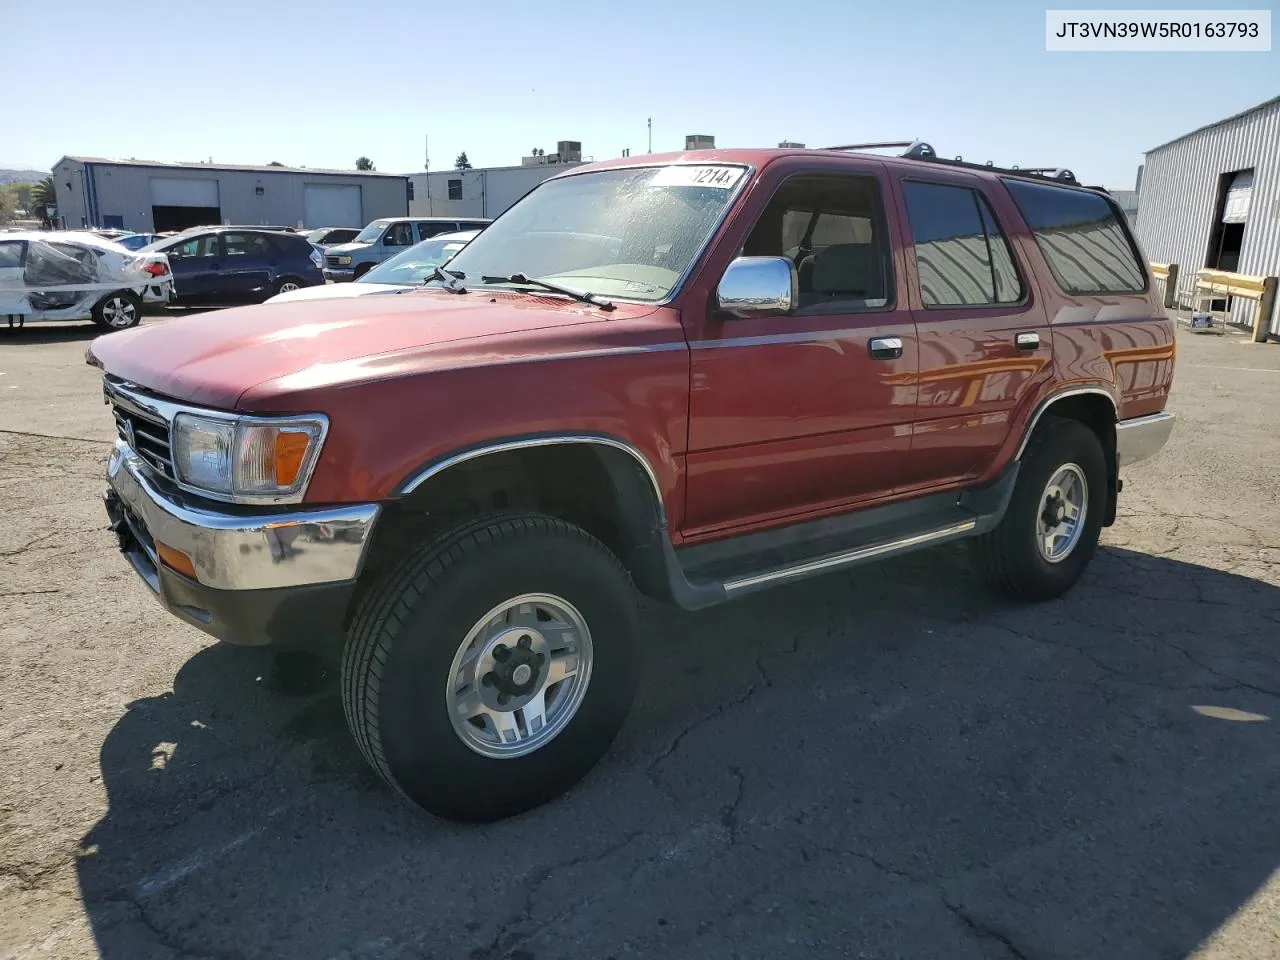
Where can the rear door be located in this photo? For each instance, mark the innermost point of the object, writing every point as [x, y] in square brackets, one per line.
[246, 266]
[983, 336]
[196, 266]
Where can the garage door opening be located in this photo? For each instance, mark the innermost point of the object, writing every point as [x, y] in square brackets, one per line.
[180, 218]
[332, 205]
[181, 202]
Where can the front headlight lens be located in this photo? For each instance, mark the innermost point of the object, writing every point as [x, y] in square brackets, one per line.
[202, 452]
[246, 458]
[344, 261]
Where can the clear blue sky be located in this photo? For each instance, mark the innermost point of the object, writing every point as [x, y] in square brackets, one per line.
[318, 83]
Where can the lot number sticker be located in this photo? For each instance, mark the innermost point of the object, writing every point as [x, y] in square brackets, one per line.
[698, 175]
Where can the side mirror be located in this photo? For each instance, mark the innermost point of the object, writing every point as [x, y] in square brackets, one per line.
[758, 287]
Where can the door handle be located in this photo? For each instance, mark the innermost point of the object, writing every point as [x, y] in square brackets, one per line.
[885, 348]
[1027, 341]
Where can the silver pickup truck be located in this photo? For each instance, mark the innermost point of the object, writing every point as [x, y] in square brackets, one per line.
[383, 239]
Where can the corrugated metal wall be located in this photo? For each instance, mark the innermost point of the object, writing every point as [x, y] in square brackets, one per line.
[1180, 189]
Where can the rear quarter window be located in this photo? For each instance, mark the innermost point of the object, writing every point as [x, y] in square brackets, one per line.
[1082, 239]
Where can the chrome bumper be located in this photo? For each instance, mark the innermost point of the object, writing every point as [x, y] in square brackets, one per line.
[237, 551]
[1142, 437]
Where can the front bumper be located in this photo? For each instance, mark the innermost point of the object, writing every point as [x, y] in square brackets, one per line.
[339, 274]
[1142, 437]
[283, 578]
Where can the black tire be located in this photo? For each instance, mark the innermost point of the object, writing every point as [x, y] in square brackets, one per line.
[409, 627]
[361, 270]
[1009, 558]
[118, 310]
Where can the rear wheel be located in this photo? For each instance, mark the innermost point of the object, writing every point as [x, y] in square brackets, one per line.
[1050, 531]
[118, 311]
[492, 669]
[287, 284]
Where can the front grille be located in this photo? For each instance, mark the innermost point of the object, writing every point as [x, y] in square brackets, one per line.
[149, 440]
[332, 261]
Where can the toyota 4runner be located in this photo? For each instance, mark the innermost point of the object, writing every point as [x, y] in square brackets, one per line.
[694, 375]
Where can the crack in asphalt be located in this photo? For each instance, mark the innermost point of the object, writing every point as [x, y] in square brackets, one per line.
[981, 930]
[717, 711]
[508, 940]
[163, 937]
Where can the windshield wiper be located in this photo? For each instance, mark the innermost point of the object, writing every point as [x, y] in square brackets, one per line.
[448, 279]
[581, 296]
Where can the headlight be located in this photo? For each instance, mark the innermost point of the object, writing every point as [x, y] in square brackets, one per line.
[247, 459]
[344, 261]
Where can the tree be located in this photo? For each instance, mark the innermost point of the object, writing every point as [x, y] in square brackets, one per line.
[364, 163]
[43, 196]
[462, 163]
[6, 204]
[275, 163]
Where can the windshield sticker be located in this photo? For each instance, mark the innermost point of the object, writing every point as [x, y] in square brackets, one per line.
[721, 178]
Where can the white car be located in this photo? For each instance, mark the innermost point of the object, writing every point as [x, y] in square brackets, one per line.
[404, 271]
[64, 275]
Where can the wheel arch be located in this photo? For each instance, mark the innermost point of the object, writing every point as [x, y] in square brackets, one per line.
[599, 482]
[1094, 406]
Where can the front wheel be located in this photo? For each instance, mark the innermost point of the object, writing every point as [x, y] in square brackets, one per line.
[492, 669]
[118, 311]
[1050, 531]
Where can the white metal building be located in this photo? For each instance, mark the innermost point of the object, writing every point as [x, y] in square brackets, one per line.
[151, 197]
[488, 191]
[1211, 198]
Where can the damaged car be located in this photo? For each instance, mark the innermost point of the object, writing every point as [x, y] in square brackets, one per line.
[78, 276]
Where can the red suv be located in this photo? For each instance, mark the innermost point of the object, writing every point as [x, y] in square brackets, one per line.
[696, 375]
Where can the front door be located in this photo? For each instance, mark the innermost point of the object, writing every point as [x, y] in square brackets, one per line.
[797, 415]
[195, 267]
[983, 337]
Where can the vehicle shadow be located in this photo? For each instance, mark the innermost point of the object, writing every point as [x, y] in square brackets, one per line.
[50, 332]
[886, 763]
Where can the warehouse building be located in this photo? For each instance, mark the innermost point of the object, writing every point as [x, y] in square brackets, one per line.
[150, 197]
[1211, 198]
[488, 191]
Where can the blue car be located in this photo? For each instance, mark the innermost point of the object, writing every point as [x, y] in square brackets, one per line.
[224, 265]
[136, 241]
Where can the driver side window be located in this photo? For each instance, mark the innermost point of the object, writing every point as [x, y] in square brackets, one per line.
[833, 229]
[398, 235]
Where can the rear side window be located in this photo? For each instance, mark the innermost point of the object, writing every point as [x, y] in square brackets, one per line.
[1081, 237]
[961, 255]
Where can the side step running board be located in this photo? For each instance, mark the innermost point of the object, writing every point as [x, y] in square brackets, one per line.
[739, 586]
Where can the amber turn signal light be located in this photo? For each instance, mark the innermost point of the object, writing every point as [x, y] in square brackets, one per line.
[175, 560]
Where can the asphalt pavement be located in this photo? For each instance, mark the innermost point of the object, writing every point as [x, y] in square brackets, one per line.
[883, 763]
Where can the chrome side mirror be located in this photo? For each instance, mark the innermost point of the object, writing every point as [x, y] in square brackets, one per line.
[758, 287]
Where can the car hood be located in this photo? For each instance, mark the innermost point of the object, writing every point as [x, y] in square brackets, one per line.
[342, 248]
[331, 291]
[216, 359]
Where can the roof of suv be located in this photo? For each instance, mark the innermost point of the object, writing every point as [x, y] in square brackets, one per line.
[761, 157]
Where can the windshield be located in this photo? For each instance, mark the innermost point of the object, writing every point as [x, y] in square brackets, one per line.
[628, 233]
[372, 232]
[413, 265]
[315, 236]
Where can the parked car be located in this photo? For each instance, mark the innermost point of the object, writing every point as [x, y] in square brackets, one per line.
[323, 237]
[405, 271]
[223, 265]
[383, 239]
[698, 378]
[136, 241]
[66, 275]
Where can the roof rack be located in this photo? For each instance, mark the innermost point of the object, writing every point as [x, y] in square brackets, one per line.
[919, 150]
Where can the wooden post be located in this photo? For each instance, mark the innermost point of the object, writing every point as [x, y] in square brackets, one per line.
[1171, 287]
[1266, 307]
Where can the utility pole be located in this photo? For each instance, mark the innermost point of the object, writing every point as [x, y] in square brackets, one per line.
[426, 167]
[651, 134]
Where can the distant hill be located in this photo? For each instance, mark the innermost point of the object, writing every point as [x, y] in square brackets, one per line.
[17, 176]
